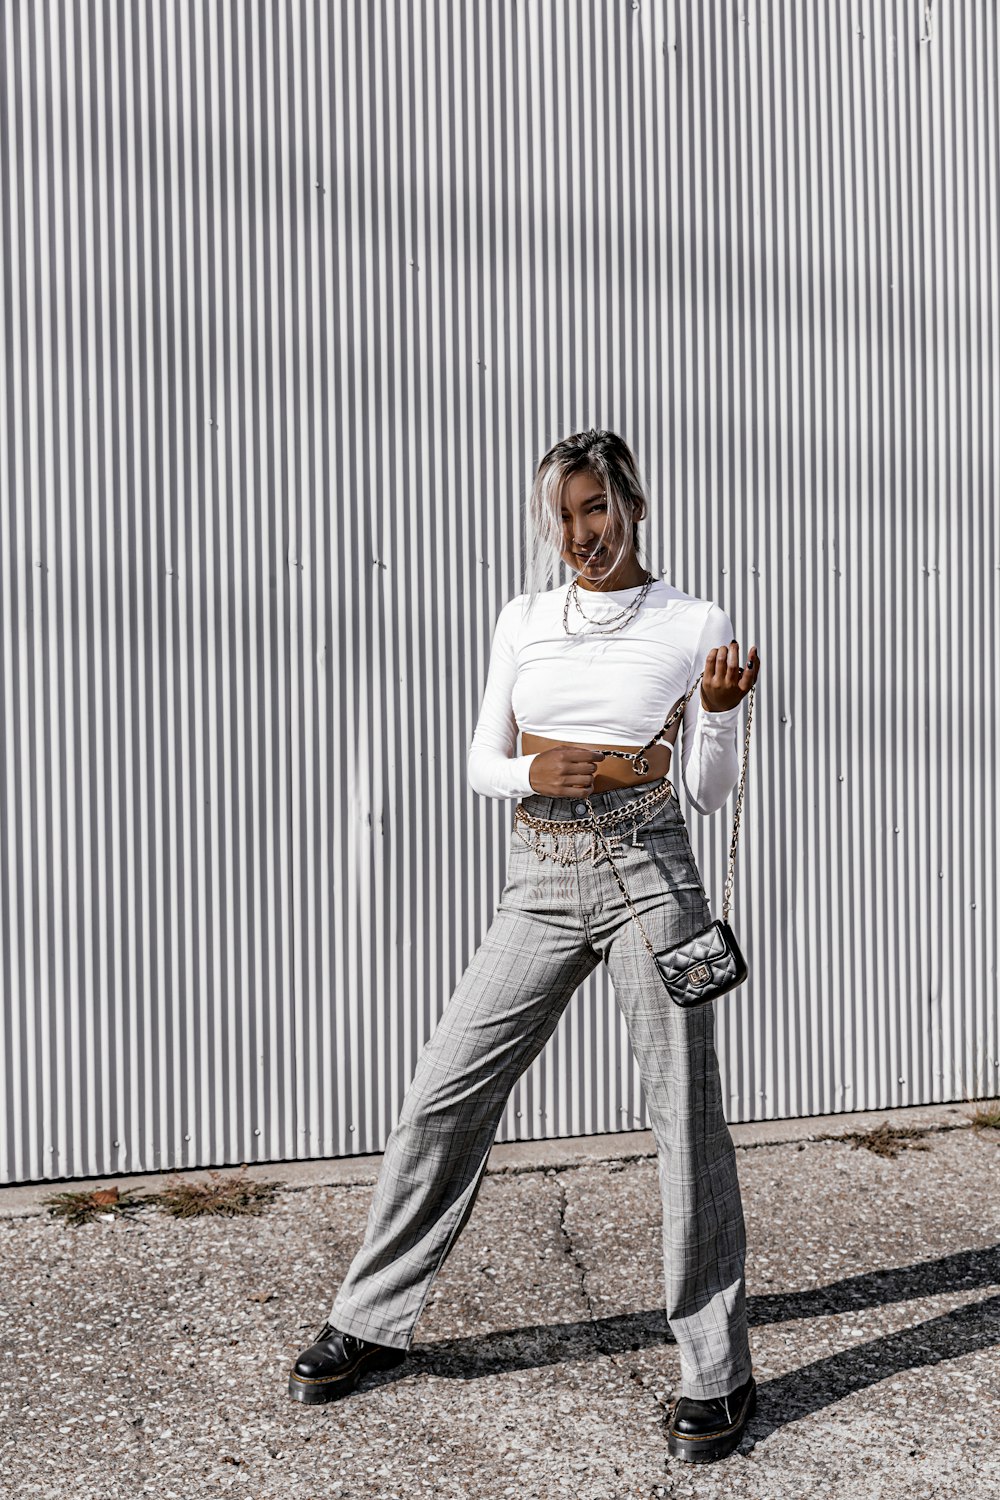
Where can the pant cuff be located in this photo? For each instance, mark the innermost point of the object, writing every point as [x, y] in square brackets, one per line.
[364, 1327]
[722, 1385]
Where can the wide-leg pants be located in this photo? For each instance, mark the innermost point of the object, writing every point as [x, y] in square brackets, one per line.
[553, 926]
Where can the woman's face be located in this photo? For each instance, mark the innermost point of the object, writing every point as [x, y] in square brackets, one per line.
[589, 544]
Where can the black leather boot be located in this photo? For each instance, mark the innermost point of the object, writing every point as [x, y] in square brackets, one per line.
[701, 1431]
[332, 1366]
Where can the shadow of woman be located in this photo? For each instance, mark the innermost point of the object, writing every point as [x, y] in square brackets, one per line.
[809, 1388]
[925, 1278]
[786, 1398]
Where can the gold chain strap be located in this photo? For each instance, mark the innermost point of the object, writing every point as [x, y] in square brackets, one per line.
[727, 895]
[728, 889]
[640, 764]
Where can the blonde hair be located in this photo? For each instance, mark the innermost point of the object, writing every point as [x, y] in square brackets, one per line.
[611, 461]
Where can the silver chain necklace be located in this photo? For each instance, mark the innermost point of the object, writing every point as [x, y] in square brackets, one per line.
[615, 622]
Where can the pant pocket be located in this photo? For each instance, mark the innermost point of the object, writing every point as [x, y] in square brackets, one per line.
[668, 846]
[520, 861]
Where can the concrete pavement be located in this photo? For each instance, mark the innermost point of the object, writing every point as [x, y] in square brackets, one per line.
[149, 1356]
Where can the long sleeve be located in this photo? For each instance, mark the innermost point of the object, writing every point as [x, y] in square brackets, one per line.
[709, 757]
[492, 767]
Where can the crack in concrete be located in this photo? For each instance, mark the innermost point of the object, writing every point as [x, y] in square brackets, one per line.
[630, 1158]
[366, 1177]
[571, 1250]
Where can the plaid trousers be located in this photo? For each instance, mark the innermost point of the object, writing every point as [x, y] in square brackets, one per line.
[552, 927]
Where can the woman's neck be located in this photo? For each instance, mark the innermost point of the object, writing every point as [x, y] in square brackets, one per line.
[629, 577]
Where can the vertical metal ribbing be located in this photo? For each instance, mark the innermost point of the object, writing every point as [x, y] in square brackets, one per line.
[291, 303]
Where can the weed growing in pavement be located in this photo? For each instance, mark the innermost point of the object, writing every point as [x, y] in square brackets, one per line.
[82, 1205]
[884, 1140]
[224, 1193]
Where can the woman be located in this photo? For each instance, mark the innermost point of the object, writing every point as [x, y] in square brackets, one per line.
[589, 672]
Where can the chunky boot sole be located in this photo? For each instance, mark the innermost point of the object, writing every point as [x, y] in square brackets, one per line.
[319, 1388]
[718, 1444]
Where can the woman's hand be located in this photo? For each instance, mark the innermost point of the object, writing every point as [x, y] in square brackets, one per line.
[723, 684]
[565, 770]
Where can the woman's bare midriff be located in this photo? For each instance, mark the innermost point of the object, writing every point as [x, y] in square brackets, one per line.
[612, 772]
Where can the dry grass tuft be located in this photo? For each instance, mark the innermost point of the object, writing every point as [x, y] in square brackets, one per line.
[883, 1140]
[82, 1205]
[229, 1194]
[985, 1117]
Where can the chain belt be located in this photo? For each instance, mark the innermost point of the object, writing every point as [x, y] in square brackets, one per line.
[562, 832]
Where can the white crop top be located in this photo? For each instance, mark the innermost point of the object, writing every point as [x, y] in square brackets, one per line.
[612, 688]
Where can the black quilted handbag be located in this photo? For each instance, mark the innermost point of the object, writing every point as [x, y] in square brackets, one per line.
[709, 963]
[703, 966]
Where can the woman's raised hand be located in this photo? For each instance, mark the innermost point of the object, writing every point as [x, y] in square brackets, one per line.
[565, 770]
[724, 685]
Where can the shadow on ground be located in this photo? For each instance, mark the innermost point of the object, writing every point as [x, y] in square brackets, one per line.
[975, 1325]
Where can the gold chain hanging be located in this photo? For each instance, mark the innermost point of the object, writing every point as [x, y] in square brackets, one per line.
[727, 894]
[619, 821]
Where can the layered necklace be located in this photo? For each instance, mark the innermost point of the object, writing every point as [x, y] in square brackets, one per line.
[613, 622]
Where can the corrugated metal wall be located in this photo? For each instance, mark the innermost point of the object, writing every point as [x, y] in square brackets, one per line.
[293, 299]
